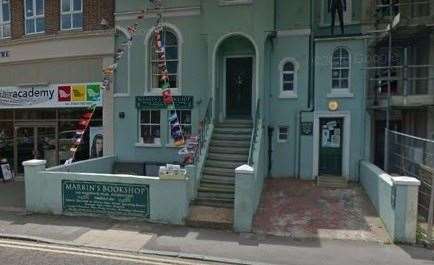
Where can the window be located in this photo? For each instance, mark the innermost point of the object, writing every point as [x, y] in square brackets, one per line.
[170, 43]
[387, 7]
[71, 14]
[341, 69]
[283, 133]
[5, 19]
[184, 117]
[150, 127]
[288, 78]
[34, 15]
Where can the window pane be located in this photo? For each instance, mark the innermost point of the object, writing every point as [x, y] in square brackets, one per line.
[172, 81]
[288, 87]
[288, 67]
[186, 117]
[77, 20]
[336, 62]
[288, 77]
[155, 131]
[77, 5]
[6, 30]
[155, 117]
[344, 83]
[66, 5]
[39, 7]
[172, 67]
[6, 14]
[170, 39]
[29, 8]
[335, 73]
[335, 83]
[30, 26]
[40, 24]
[345, 73]
[145, 116]
[172, 53]
[66, 21]
[345, 62]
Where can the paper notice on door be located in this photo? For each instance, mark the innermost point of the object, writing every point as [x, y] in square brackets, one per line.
[6, 172]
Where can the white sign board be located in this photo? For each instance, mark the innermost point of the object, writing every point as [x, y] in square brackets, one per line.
[52, 96]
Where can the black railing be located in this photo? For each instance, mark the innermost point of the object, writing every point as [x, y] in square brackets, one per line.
[254, 133]
[204, 125]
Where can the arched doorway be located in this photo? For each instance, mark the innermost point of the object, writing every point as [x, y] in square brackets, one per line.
[235, 81]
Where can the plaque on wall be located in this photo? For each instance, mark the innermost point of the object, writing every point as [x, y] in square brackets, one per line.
[306, 128]
[156, 102]
[105, 198]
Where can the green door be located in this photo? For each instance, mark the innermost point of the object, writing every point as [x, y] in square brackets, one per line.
[239, 86]
[330, 149]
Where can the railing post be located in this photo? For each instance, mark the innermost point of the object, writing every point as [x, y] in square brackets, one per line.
[244, 201]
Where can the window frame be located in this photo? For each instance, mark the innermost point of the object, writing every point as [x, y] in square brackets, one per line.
[34, 17]
[71, 13]
[3, 24]
[294, 92]
[149, 89]
[170, 141]
[341, 68]
[279, 134]
[140, 139]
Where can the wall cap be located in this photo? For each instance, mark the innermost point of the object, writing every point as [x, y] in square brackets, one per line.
[244, 169]
[407, 181]
[34, 162]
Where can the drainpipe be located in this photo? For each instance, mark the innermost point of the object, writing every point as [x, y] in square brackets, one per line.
[311, 89]
[270, 37]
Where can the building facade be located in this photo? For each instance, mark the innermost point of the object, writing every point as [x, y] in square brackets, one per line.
[52, 56]
[244, 58]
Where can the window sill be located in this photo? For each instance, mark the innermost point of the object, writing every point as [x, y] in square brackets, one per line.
[121, 95]
[148, 145]
[158, 91]
[288, 95]
[340, 94]
[172, 145]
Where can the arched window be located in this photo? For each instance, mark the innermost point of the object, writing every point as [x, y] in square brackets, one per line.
[171, 45]
[288, 78]
[341, 69]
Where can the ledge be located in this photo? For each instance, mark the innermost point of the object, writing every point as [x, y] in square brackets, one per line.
[406, 181]
[34, 162]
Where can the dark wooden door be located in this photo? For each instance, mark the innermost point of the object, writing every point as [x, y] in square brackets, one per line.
[330, 146]
[239, 86]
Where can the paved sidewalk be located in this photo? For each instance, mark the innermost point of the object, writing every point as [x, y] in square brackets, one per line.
[203, 243]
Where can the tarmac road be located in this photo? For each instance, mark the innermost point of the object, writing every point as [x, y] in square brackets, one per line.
[14, 252]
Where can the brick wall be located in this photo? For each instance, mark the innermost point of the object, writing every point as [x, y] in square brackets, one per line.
[93, 12]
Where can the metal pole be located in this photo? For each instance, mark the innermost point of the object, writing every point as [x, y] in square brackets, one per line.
[389, 84]
[431, 211]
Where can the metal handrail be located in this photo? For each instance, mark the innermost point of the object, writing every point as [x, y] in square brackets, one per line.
[250, 161]
[206, 121]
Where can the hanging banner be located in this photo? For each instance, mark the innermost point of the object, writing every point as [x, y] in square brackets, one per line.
[52, 96]
[157, 102]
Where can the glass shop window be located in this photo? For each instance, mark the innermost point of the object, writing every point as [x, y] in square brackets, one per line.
[150, 131]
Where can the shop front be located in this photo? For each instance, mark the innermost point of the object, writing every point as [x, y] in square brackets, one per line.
[40, 121]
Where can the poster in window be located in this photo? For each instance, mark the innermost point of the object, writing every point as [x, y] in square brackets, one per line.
[331, 136]
[96, 143]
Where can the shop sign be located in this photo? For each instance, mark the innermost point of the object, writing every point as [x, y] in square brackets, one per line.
[104, 198]
[306, 128]
[156, 102]
[52, 96]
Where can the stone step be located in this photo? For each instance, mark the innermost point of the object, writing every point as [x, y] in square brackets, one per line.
[212, 179]
[228, 157]
[228, 150]
[227, 172]
[332, 182]
[232, 137]
[238, 121]
[233, 125]
[215, 188]
[233, 130]
[224, 164]
[215, 203]
[223, 143]
[210, 217]
[215, 195]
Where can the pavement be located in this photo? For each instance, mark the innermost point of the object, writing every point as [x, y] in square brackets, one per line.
[300, 209]
[207, 245]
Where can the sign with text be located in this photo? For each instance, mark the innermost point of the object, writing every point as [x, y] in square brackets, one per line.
[105, 198]
[52, 96]
[156, 102]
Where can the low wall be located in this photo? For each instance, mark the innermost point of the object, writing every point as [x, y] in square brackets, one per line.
[97, 165]
[167, 200]
[395, 199]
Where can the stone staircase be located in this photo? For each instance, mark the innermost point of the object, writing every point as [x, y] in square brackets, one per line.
[229, 149]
